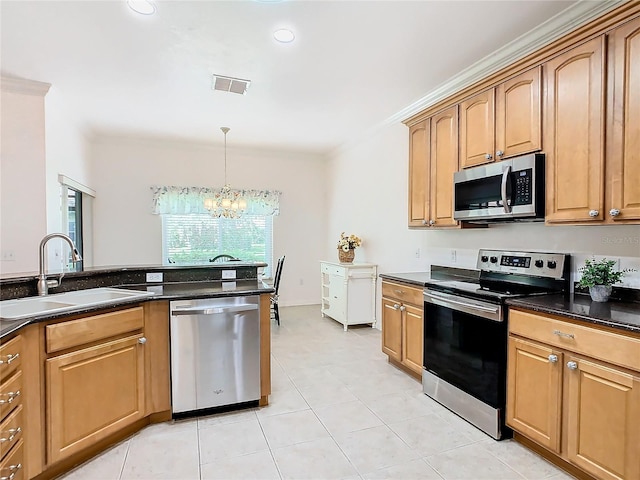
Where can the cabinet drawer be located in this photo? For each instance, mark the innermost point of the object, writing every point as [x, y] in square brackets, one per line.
[333, 270]
[12, 467]
[61, 336]
[11, 431]
[10, 357]
[10, 394]
[402, 292]
[608, 346]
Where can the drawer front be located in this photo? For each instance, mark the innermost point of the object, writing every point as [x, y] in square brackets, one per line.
[74, 333]
[12, 467]
[403, 293]
[10, 357]
[11, 431]
[10, 394]
[608, 346]
[333, 270]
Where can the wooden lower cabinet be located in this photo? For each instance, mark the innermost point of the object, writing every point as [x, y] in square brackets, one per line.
[580, 406]
[92, 393]
[402, 325]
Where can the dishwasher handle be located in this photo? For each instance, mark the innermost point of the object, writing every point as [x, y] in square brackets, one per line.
[214, 310]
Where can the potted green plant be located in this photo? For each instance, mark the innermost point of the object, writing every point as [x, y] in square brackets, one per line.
[599, 276]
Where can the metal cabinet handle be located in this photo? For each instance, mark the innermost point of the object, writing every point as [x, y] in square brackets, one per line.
[11, 397]
[499, 153]
[13, 432]
[9, 358]
[614, 212]
[403, 308]
[396, 306]
[432, 223]
[594, 213]
[562, 334]
[553, 358]
[142, 340]
[424, 222]
[572, 365]
[488, 156]
[399, 292]
[14, 471]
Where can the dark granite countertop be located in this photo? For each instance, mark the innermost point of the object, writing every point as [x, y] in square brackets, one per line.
[437, 273]
[614, 314]
[166, 291]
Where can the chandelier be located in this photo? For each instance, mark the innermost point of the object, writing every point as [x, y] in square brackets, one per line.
[226, 203]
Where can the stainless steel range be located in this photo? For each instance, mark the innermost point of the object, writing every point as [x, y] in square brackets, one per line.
[465, 332]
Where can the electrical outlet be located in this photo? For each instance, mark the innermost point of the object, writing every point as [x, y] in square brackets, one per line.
[8, 256]
[301, 281]
[417, 253]
[154, 277]
[454, 256]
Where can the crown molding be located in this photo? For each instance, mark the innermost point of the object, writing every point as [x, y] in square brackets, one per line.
[556, 27]
[22, 85]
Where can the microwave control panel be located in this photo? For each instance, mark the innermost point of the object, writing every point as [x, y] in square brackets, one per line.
[523, 180]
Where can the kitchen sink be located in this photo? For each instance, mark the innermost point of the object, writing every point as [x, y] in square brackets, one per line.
[30, 306]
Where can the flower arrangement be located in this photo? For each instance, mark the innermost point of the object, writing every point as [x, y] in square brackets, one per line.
[350, 242]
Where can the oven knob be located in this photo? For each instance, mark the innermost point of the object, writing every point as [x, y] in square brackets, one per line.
[539, 263]
[551, 264]
[494, 259]
[484, 259]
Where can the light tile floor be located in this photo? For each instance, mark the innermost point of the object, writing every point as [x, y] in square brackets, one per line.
[338, 410]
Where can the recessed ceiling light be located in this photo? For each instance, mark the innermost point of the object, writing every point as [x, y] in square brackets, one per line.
[143, 7]
[284, 36]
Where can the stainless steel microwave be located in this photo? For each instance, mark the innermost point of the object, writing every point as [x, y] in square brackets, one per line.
[512, 189]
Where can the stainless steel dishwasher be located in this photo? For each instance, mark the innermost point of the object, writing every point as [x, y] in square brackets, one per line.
[215, 352]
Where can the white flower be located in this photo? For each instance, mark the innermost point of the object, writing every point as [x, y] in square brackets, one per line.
[345, 247]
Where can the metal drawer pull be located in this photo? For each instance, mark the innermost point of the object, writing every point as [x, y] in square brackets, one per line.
[403, 308]
[396, 306]
[562, 334]
[10, 358]
[14, 470]
[399, 292]
[13, 432]
[553, 358]
[12, 396]
[572, 365]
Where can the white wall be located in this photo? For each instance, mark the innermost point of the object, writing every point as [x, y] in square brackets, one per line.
[126, 233]
[22, 174]
[368, 196]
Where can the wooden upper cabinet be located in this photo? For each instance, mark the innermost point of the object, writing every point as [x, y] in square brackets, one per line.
[623, 153]
[477, 129]
[444, 162]
[518, 115]
[574, 134]
[419, 174]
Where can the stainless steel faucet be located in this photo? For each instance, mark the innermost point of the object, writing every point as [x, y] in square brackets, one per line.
[43, 283]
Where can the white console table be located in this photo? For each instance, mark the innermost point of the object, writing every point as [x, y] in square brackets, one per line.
[349, 292]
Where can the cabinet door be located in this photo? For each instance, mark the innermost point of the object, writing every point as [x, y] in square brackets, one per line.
[477, 129]
[337, 298]
[391, 329]
[412, 338]
[444, 161]
[603, 410]
[518, 115]
[92, 393]
[534, 386]
[573, 134]
[623, 160]
[419, 174]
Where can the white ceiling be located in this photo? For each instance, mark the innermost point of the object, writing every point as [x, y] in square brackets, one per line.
[353, 63]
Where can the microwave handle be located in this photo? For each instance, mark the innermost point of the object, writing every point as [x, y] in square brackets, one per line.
[503, 189]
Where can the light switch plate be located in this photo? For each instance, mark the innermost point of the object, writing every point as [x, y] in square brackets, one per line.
[154, 277]
[228, 274]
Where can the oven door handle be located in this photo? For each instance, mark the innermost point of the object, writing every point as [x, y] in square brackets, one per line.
[462, 304]
[503, 189]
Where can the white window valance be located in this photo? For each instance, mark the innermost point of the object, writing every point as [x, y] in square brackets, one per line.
[186, 200]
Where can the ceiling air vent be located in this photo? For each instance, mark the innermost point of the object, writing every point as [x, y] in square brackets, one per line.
[230, 84]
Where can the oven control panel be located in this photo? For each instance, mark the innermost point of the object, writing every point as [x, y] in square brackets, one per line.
[537, 264]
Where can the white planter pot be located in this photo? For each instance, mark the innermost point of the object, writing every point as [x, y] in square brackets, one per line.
[600, 293]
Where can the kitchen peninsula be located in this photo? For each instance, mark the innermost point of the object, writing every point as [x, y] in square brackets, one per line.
[91, 375]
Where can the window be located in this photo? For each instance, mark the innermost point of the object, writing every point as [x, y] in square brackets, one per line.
[74, 225]
[196, 238]
[76, 219]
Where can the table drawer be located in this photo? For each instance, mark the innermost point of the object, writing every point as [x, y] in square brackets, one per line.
[12, 467]
[11, 431]
[10, 394]
[403, 293]
[333, 270]
[552, 330]
[74, 333]
[10, 357]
